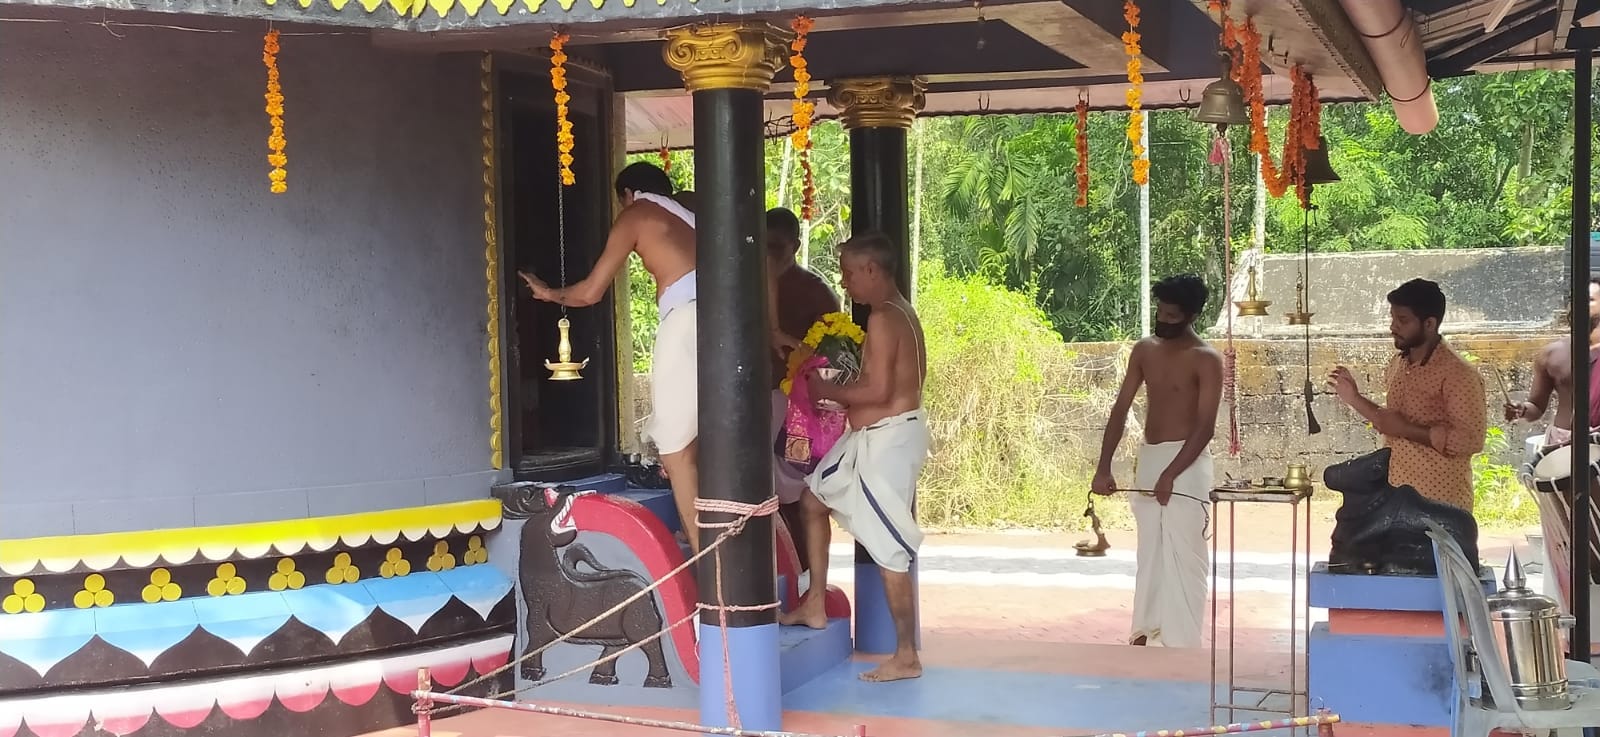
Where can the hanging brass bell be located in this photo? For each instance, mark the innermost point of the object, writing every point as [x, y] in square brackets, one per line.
[1318, 169]
[1222, 102]
[566, 369]
[1252, 305]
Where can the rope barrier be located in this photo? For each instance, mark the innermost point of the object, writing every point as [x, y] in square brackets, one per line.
[743, 512]
[1324, 721]
[425, 699]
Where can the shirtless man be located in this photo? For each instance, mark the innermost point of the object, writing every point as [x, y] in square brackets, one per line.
[798, 298]
[1182, 377]
[1552, 372]
[867, 481]
[661, 230]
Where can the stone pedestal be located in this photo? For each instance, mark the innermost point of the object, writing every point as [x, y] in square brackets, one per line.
[1381, 660]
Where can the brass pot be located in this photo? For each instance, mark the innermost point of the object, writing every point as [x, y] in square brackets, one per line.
[1297, 477]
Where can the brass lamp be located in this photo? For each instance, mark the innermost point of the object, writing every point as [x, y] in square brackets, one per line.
[1300, 316]
[1252, 305]
[1318, 170]
[566, 369]
[1222, 102]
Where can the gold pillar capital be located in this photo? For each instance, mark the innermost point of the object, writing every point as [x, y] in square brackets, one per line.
[878, 102]
[743, 55]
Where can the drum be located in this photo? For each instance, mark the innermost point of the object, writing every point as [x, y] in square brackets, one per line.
[1550, 470]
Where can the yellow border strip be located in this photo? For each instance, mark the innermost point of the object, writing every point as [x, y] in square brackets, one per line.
[244, 541]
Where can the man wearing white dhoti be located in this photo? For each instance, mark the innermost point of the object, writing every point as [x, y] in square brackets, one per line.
[1182, 378]
[661, 230]
[868, 480]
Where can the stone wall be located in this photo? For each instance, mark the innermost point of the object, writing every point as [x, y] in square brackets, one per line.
[1271, 408]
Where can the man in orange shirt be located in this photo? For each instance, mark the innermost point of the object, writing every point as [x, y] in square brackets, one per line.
[1436, 418]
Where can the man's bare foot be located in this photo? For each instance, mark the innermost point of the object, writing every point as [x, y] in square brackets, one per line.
[812, 613]
[896, 668]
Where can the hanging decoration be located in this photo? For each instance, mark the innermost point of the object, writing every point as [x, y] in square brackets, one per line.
[558, 82]
[804, 109]
[1310, 130]
[1083, 151]
[279, 176]
[1130, 44]
[666, 158]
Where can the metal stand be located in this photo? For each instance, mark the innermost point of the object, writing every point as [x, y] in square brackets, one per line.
[1233, 702]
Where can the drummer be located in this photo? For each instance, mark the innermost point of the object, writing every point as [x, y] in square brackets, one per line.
[1552, 373]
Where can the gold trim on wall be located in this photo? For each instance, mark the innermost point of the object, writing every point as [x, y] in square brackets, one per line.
[491, 268]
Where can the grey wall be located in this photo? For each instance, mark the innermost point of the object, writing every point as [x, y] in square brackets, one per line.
[180, 347]
[1486, 289]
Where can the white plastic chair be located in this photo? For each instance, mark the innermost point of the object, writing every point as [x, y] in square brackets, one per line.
[1476, 662]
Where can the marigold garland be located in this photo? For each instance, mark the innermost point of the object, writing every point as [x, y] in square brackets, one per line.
[558, 81]
[1247, 72]
[1083, 152]
[1130, 44]
[803, 111]
[276, 142]
[1307, 132]
[666, 159]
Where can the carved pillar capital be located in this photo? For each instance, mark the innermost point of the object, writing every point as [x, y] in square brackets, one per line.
[743, 55]
[878, 102]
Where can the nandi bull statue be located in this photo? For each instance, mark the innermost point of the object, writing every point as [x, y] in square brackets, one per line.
[1382, 528]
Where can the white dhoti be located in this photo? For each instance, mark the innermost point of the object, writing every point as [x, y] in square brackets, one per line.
[674, 420]
[868, 480]
[1169, 590]
[787, 481]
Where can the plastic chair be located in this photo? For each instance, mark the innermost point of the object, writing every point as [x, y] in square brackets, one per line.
[1477, 664]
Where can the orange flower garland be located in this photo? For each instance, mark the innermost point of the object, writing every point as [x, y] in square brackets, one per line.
[803, 111]
[1130, 44]
[1083, 152]
[1309, 132]
[1247, 72]
[275, 142]
[666, 159]
[558, 81]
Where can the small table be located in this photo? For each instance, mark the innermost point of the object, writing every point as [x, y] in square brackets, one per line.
[1299, 604]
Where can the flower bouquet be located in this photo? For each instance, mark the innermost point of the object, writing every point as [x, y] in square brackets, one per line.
[832, 349]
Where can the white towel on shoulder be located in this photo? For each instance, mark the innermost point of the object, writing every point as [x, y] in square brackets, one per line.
[668, 204]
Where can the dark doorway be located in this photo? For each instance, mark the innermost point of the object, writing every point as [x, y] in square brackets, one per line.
[560, 430]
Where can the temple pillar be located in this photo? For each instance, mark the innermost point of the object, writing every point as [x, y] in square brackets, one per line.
[728, 67]
[878, 112]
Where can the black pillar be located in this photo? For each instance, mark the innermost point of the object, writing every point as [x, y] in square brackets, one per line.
[1582, 112]
[735, 402]
[735, 452]
[879, 193]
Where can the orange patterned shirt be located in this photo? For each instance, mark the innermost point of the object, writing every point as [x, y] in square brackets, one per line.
[1443, 393]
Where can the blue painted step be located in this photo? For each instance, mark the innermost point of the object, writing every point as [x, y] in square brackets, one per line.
[805, 653]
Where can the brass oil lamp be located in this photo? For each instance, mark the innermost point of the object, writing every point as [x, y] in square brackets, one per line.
[1300, 316]
[566, 369]
[1252, 305]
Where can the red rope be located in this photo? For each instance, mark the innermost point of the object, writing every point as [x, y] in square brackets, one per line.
[744, 512]
[1221, 154]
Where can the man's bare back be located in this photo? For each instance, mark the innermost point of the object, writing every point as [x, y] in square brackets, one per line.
[1173, 372]
[665, 243]
[894, 346]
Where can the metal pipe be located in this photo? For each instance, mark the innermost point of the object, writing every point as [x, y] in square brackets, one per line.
[1582, 113]
[1393, 41]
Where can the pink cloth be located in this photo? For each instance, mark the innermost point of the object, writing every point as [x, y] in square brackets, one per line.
[809, 432]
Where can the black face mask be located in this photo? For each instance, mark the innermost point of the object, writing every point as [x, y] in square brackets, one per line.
[1168, 330]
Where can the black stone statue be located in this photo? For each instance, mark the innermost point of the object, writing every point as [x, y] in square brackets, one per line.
[1380, 528]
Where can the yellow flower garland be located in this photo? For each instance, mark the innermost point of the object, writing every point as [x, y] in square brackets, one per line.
[558, 81]
[1130, 44]
[275, 142]
[803, 111]
[833, 324]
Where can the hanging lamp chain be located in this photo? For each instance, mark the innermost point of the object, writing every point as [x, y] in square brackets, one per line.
[561, 231]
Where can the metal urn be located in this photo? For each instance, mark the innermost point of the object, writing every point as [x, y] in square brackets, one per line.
[1527, 632]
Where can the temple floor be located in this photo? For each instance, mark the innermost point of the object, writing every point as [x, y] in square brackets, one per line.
[1019, 638]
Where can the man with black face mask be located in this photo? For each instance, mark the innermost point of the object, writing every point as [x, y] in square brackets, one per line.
[1182, 378]
[1436, 417]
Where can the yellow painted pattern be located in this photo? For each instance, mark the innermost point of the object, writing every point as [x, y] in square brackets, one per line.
[476, 553]
[24, 597]
[394, 564]
[491, 257]
[161, 587]
[256, 540]
[343, 570]
[443, 8]
[442, 559]
[94, 594]
[286, 577]
[227, 582]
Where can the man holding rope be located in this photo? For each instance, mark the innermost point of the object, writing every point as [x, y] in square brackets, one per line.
[1182, 378]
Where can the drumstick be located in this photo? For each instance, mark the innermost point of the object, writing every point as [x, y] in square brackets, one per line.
[1502, 380]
